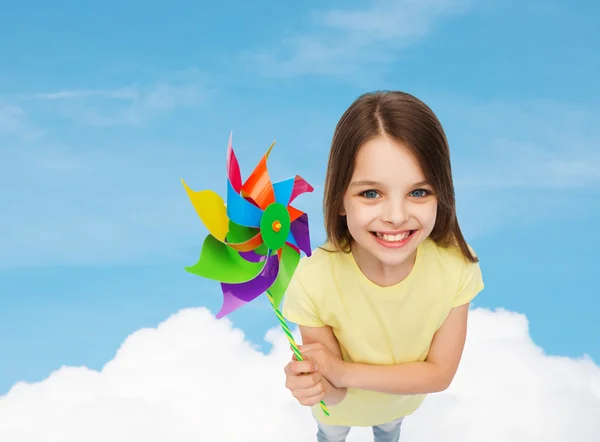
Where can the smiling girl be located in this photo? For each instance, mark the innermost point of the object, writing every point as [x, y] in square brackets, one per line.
[382, 306]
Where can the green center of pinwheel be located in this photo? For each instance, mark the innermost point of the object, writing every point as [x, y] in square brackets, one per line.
[275, 226]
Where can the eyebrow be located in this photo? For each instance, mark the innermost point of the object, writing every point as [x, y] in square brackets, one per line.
[364, 183]
[361, 183]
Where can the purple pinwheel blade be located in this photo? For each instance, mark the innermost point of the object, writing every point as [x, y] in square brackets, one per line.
[300, 232]
[230, 304]
[252, 256]
[247, 291]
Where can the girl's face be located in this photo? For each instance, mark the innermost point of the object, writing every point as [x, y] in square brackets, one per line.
[389, 207]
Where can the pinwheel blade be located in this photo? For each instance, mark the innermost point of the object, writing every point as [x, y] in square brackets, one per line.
[288, 190]
[210, 207]
[221, 263]
[230, 304]
[294, 213]
[242, 238]
[258, 185]
[240, 211]
[238, 233]
[300, 187]
[301, 234]
[233, 167]
[249, 290]
[283, 191]
[248, 245]
[289, 259]
[291, 241]
[252, 256]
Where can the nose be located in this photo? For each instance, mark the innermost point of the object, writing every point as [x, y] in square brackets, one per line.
[395, 212]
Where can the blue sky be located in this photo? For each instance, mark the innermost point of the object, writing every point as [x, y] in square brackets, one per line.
[104, 108]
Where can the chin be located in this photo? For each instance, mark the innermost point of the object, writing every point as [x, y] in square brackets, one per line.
[392, 253]
[394, 258]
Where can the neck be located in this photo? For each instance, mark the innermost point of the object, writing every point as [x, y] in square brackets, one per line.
[379, 273]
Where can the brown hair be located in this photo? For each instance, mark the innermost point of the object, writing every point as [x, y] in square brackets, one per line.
[411, 122]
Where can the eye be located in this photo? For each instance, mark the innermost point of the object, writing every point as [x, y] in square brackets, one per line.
[370, 194]
[420, 193]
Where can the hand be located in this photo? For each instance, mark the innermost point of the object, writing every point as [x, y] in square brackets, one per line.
[330, 365]
[304, 380]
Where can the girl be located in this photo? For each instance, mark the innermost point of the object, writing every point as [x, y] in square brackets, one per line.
[382, 306]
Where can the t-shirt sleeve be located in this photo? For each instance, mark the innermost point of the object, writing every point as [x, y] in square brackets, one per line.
[471, 283]
[298, 306]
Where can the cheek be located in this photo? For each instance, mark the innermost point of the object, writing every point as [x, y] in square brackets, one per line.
[358, 216]
[430, 214]
[426, 213]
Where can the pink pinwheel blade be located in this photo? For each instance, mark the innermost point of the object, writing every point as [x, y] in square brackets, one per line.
[300, 187]
[299, 229]
[233, 168]
[247, 291]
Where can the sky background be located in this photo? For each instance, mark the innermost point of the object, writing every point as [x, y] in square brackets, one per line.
[104, 108]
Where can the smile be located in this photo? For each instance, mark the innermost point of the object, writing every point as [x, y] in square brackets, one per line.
[393, 240]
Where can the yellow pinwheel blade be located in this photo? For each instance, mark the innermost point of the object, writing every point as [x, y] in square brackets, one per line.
[211, 209]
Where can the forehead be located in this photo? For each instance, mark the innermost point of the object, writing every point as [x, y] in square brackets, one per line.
[387, 161]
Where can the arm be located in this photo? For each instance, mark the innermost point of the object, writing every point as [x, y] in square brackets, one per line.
[433, 375]
[325, 337]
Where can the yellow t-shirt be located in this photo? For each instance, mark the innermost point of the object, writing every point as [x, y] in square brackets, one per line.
[379, 325]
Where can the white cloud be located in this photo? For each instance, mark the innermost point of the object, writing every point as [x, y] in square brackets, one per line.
[194, 378]
[344, 41]
[133, 105]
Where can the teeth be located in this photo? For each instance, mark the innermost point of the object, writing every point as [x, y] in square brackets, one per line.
[392, 238]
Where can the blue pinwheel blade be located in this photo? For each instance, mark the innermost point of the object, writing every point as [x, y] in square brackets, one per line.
[240, 211]
[283, 191]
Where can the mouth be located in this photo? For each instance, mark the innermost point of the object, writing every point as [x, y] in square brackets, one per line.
[393, 240]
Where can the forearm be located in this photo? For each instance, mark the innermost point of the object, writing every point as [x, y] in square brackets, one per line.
[408, 378]
[333, 395]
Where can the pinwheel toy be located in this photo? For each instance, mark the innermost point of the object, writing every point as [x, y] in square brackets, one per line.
[254, 241]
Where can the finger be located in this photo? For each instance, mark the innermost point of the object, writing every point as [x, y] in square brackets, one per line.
[310, 347]
[310, 401]
[296, 368]
[295, 354]
[303, 381]
[287, 370]
[302, 367]
[313, 390]
[297, 384]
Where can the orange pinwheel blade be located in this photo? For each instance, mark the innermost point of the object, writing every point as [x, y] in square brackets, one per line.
[248, 245]
[294, 213]
[258, 186]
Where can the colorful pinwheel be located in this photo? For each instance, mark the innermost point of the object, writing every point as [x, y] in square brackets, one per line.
[254, 241]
